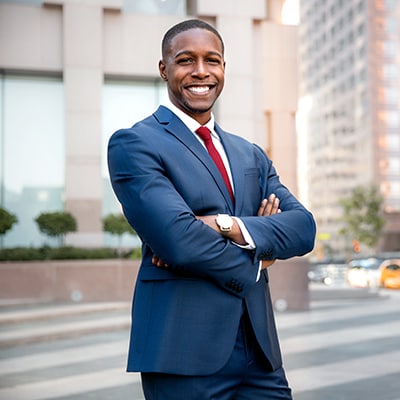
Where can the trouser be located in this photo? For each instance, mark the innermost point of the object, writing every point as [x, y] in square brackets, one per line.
[246, 376]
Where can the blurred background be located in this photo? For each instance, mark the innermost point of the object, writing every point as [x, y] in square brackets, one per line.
[316, 83]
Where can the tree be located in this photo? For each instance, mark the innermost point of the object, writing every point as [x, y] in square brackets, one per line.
[363, 218]
[7, 220]
[56, 224]
[117, 225]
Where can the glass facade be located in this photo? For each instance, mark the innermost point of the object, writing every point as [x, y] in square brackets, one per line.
[32, 146]
[349, 68]
[32, 153]
[124, 104]
[155, 7]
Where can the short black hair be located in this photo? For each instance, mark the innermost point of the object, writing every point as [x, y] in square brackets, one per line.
[186, 26]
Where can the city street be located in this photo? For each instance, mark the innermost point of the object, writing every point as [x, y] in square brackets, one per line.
[347, 347]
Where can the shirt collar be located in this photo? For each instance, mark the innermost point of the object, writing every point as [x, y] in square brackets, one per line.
[191, 123]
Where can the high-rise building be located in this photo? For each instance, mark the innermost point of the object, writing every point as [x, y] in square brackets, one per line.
[349, 109]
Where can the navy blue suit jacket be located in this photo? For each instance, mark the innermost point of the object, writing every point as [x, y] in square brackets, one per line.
[185, 318]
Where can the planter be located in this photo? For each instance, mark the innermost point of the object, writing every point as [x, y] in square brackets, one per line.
[77, 280]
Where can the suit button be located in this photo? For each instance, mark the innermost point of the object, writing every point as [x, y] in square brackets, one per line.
[264, 256]
[234, 285]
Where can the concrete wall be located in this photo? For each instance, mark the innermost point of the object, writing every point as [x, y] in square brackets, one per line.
[114, 280]
[65, 281]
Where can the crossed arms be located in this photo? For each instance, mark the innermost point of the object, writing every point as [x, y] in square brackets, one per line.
[267, 207]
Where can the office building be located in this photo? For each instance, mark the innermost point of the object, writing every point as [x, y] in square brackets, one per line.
[72, 72]
[349, 110]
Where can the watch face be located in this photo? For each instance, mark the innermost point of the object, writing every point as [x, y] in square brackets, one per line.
[224, 222]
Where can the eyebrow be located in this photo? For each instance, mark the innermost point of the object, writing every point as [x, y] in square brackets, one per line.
[189, 52]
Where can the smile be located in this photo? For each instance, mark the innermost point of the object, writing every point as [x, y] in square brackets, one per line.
[199, 89]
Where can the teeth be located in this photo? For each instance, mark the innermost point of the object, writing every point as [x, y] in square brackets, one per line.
[199, 89]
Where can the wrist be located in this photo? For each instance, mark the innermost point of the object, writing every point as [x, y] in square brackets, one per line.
[236, 234]
[224, 223]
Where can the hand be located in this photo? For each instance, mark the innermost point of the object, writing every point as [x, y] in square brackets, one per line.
[158, 262]
[269, 206]
[266, 263]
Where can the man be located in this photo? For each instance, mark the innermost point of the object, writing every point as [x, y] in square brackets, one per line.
[202, 319]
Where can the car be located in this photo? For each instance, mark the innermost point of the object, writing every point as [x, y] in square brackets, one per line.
[328, 273]
[390, 274]
[364, 272]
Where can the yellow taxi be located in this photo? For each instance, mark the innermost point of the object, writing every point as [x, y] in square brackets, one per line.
[389, 276]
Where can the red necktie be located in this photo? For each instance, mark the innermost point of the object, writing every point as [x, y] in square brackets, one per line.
[205, 134]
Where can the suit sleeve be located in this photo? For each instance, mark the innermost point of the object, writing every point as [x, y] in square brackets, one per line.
[163, 220]
[287, 234]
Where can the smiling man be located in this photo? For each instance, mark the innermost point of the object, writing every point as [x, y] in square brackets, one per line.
[212, 215]
[194, 67]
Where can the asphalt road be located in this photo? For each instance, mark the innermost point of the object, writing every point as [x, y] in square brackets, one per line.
[346, 347]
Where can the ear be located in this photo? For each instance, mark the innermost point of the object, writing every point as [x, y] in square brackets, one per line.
[163, 70]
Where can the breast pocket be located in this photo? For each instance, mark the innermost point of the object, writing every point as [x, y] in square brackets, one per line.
[252, 187]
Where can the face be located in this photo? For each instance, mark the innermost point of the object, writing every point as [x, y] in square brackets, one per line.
[194, 70]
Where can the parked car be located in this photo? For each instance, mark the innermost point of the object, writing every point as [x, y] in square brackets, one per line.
[328, 273]
[390, 274]
[364, 272]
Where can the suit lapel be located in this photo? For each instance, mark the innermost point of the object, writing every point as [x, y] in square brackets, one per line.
[178, 129]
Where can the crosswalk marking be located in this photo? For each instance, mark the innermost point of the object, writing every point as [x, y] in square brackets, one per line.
[21, 364]
[59, 329]
[319, 340]
[70, 385]
[61, 310]
[316, 377]
[343, 313]
[93, 366]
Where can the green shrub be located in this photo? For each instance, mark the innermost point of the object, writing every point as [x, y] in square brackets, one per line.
[64, 253]
[56, 224]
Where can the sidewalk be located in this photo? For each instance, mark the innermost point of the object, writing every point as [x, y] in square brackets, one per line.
[346, 347]
[26, 321]
[39, 322]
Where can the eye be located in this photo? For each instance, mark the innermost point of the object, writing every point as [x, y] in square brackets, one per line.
[213, 61]
[185, 61]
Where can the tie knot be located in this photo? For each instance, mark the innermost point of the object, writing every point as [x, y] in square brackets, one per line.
[204, 133]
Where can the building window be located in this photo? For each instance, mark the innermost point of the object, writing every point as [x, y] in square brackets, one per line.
[32, 153]
[393, 143]
[124, 104]
[155, 7]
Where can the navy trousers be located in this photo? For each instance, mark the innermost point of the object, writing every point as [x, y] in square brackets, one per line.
[246, 376]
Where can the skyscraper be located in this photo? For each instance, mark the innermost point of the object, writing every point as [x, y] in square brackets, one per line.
[349, 109]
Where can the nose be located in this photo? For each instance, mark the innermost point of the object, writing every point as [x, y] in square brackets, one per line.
[200, 69]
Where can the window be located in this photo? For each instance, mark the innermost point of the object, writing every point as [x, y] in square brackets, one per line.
[32, 153]
[155, 7]
[393, 143]
[124, 103]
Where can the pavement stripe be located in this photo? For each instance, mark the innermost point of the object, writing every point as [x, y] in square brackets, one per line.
[62, 357]
[57, 330]
[71, 385]
[314, 341]
[60, 311]
[288, 320]
[312, 378]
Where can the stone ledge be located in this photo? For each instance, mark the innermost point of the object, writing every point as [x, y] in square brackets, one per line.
[77, 280]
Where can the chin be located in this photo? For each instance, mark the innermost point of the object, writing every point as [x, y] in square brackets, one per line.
[199, 108]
